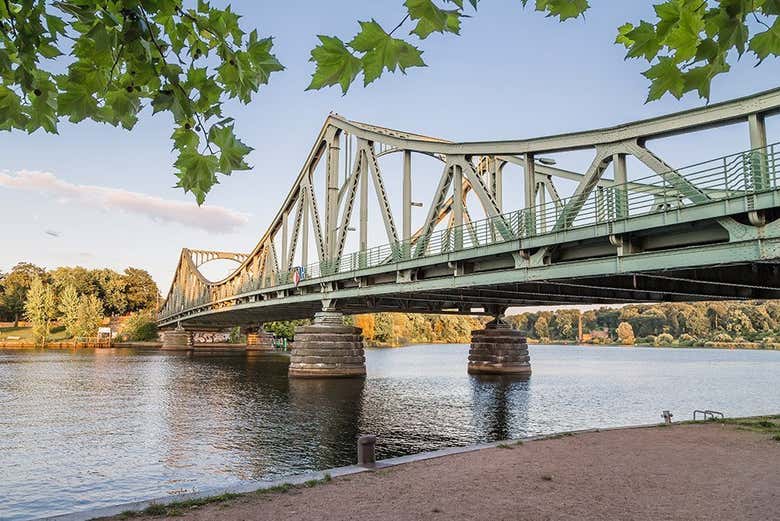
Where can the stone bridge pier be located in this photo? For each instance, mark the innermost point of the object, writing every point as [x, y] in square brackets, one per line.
[259, 341]
[178, 339]
[499, 349]
[327, 348]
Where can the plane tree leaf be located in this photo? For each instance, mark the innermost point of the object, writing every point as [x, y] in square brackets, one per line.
[105, 61]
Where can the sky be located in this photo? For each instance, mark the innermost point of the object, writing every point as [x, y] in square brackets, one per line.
[97, 196]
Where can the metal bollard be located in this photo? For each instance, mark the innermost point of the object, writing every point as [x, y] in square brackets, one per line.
[366, 450]
[667, 416]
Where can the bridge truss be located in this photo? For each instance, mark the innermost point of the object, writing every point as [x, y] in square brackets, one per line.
[707, 231]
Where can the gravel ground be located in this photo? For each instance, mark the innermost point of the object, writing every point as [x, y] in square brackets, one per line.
[685, 472]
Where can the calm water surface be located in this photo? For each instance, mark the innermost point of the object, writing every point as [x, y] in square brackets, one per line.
[80, 430]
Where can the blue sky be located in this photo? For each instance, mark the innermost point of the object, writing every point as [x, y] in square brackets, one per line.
[512, 74]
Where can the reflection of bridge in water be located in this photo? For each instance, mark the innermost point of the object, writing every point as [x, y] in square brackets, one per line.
[660, 233]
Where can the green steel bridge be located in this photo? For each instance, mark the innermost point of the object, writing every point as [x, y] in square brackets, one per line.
[702, 232]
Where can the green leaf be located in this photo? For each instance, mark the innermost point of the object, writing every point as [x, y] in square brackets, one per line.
[335, 64]
[430, 18]
[767, 43]
[563, 9]
[77, 103]
[684, 37]
[232, 150]
[197, 173]
[640, 40]
[124, 107]
[184, 137]
[665, 77]
[382, 51]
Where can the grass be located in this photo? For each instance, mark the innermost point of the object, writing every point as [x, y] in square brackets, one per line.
[178, 508]
[760, 424]
[25, 333]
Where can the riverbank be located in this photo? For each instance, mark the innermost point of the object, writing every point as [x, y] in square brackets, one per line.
[713, 471]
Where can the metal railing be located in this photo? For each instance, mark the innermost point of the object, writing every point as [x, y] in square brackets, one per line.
[727, 177]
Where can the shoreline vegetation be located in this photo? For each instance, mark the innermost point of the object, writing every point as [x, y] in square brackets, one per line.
[717, 325]
[737, 445]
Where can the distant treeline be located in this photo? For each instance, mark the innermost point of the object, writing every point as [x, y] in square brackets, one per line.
[411, 328]
[76, 298]
[681, 324]
[119, 293]
[718, 324]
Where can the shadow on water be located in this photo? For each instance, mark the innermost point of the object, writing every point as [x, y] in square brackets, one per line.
[500, 407]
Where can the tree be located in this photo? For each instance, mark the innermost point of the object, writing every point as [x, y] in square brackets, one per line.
[139, 327]
[69, 310]
[565, 323]
[89, 317]
[140, 290]
[366, 323]
[284, 329]
[82, 279]
[15, 287]
[541, 327]
[112, 289]
[188, 61]
[625, 334]
[40, 309]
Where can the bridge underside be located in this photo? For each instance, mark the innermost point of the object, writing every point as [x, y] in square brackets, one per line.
[498, 276]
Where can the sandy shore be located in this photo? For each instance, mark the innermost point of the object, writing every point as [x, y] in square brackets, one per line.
[683, 472]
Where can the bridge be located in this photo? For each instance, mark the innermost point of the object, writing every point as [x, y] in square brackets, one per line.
[629, 227]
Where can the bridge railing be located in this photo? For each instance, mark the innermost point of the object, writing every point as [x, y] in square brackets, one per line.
[731, 176]
[727, 177]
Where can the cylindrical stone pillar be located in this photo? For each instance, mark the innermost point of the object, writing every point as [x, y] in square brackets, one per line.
[177, 340]
[260, 342]
[498, 349]
[327, 349]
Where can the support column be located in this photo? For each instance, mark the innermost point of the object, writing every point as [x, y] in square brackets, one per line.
[259, 342]
[621, 192]
[758, 159]
[498, 349]
[406, 234]
[529, 168]
[327, 349]
[177, 340]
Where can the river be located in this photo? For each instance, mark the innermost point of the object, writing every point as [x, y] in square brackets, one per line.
[85, 429]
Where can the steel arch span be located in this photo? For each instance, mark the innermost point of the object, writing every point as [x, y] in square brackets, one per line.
[706, 231]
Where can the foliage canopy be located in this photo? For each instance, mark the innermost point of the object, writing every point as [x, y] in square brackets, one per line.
[105, 60]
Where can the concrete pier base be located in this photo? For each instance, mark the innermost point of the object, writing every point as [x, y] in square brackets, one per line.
[177, 340]
[218, 349]
[327, 349]
[261, 342]
[498, 349]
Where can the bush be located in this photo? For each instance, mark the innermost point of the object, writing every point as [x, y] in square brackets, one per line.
[651, 339]
[687, 340]
[722, 337]
[664, 339]
[139, 327]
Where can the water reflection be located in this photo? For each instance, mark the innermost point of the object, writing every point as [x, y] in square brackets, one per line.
[500, 405]
[327, 413]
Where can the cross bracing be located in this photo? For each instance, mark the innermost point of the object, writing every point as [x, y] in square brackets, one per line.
[725, 209]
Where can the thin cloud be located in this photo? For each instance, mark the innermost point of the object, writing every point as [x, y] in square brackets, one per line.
[214, 219]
